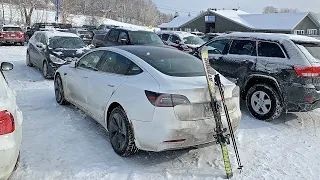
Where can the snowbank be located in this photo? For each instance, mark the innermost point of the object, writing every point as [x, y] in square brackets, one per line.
[127, 25]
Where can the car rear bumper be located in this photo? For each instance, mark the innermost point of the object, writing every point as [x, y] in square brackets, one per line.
[302, 98]
[9, 152]
[167, 132]
[12, 40]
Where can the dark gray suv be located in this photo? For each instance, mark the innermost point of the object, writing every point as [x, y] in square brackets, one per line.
[276, 72]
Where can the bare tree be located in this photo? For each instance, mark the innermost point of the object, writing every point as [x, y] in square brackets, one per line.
[270, 9]
[288, 10]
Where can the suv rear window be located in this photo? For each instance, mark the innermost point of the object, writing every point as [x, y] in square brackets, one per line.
[266, 49]
[144, 38]
[12, 29]
[171, 62]
[312, 49]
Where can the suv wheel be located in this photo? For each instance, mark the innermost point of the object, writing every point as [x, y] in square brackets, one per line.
[263, 102]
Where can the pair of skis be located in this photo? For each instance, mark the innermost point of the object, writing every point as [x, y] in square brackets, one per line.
[221, 137]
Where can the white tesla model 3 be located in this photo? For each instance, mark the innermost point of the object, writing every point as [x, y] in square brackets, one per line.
[148, 98]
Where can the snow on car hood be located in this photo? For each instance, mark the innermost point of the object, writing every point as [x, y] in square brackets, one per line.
[73, 53]
[193, 45]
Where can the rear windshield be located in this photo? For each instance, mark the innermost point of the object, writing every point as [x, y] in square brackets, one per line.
[84, 32]
[66, 42]
[311, 50]
[144, 38]
[172, 62]
[12, 29]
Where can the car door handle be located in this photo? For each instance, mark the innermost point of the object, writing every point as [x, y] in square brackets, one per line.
[86, 77]
[111, 85]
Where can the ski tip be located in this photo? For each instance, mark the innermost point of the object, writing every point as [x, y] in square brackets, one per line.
[229, 176]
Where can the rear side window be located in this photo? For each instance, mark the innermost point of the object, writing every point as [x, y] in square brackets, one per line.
[267, 49]
[165, 37]
[175, 39]
[243, 47]
[113, 36]
[310, 50]
[115, 63]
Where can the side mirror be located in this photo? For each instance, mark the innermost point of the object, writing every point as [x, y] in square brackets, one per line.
[40, 45]
[73, 64]
[6, 66]
[177, 41]
[124, 41]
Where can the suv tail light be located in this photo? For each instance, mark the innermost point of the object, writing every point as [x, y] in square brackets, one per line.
[166, 100]
[308, 71]
[6, 122]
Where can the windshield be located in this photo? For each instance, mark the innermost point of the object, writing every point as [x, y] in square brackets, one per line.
[11, 29]
[311, 50]
[171, 62]
[144, 37]
[193, 40]
[66, 42]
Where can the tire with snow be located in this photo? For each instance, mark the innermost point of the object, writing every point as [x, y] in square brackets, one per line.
[121, 133]
[28, 60]
[59, 92]
[264, 102]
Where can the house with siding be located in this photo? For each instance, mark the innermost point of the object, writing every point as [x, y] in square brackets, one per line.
[221, 21]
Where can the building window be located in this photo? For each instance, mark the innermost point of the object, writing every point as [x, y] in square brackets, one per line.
[312, 31]
[299, 32]
[187, 29]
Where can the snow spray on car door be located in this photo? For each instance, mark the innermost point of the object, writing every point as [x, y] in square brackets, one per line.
[221, 136]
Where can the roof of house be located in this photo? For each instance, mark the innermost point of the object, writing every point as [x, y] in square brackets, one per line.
[176, 22]
[272, 21]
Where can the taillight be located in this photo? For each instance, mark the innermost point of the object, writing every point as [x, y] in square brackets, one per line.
[307, 71]
[166, 100]
[90, 36]
[6, 122]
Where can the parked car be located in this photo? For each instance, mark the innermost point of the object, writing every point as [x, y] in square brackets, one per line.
[197, 33]
[47, 26]
[183, 41]
[122, 36]
[11, 34]
[276, 72]
[103, 29]
[48, 50]
[90, 27]
[115, 84]
[84, 34]
[207, 37]
[10, 126]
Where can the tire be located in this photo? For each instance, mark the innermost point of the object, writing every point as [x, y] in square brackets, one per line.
[121, 133]
[264, 102]
[28, 60]
[59, 92]
[45, 70]
[17, 163]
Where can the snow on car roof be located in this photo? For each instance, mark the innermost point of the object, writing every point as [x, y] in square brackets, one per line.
[176, 22]
[272, 36]
[10, 25]
[181, 34]
[51, 34]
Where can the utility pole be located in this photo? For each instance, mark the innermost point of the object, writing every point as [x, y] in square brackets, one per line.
[3, 20]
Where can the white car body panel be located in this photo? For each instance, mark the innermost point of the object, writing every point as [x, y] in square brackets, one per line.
[154, 125]
[9, 143]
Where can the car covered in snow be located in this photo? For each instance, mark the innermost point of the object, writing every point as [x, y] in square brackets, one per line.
[10, 126]
[183, 41]
[147, 97]
[48, 50]
[276, 72]
[11, 34]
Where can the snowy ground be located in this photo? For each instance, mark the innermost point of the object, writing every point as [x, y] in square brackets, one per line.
[60, 142]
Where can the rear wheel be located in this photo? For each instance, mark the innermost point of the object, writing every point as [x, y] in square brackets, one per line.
[59, 92]
[264, 102]
[45, 70]
[120, 133]
[28, 60]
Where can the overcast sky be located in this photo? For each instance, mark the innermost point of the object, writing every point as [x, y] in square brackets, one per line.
[251, 6]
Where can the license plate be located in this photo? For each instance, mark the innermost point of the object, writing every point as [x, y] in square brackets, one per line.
[13, 35]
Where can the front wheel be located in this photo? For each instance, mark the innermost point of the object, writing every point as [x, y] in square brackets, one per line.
[120, 133]
[264, 102]
[45, 72]
[59, 92]
[28, 60]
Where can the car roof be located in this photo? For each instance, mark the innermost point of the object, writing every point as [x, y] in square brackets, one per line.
[182, 34]
[54, 33]
[271, 37]
[138, 48]
[130, 29]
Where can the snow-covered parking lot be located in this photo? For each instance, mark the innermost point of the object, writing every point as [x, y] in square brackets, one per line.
[61, 142]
